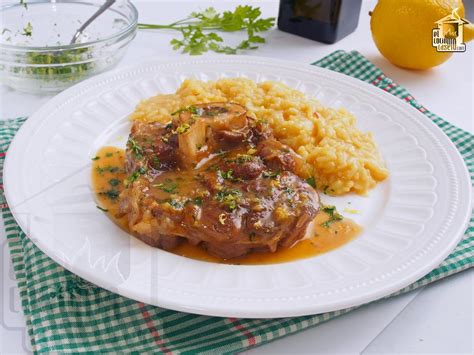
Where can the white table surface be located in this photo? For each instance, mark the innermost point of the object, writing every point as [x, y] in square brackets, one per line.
[435, 319]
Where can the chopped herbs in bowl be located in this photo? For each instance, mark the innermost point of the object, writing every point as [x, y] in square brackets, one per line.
[36, 56]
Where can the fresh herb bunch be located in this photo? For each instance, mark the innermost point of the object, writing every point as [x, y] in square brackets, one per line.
[197, 30]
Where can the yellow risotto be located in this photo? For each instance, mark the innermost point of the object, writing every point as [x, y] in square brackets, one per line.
[339, 156]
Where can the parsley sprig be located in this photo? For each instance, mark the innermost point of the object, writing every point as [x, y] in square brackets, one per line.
[197, 30]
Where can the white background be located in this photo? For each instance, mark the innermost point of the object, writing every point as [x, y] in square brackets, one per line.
[436, 319]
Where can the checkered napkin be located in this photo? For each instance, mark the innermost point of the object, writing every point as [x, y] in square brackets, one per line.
[65, 313]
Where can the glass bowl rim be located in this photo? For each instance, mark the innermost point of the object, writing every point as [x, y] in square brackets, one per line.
[125, 31]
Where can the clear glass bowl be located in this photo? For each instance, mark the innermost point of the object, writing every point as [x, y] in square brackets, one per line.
[35, 54]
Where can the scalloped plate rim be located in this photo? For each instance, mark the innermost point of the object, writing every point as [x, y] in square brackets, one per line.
[239, 312]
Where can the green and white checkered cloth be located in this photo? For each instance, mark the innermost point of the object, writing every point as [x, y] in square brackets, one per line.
[65, 313]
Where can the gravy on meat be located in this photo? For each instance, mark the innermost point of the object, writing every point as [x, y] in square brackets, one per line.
[213, 184]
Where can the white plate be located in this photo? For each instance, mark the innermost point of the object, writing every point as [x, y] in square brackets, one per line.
[411, 221]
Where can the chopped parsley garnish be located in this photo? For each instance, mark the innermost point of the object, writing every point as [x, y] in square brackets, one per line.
[311, 181]
[191, 109]
[95, 158]
[110, 169]
[155, 162]
[114, 182]
[243, 158]
[135, 175]
[228, 175]
[229, 198]
[109, 154]
[334, 216]
[290, 203]
[325, 189]
[135, 148]
[168, 186]
[240, 159]
[28, 30]
[288, 190]
[111, 194]
[183, 128]
[197, 201]
[102, 209]
[175, 203]
[220, 153]
[270, 174]
[45, 66]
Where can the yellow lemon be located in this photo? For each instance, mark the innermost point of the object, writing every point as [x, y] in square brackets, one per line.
[402, 30]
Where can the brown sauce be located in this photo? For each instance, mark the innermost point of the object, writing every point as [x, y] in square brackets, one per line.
[108, 177]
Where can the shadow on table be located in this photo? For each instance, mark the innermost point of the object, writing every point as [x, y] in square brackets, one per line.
[407, 76]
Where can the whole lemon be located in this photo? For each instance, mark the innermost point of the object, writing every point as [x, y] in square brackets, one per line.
[402, 30]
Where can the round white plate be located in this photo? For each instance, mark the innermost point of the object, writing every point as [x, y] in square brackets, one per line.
[411, 221]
